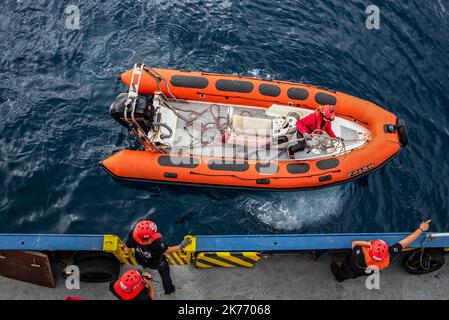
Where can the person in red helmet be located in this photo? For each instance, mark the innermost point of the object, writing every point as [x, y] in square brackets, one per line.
[133, 285]
[321, 119]
[150, 251]
[367, 256]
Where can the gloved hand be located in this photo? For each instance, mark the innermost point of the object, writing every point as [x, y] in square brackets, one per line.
[185, 243]
[147, 278]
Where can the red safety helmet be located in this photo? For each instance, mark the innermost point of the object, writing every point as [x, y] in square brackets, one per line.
[145, 232]
[69, 298]
[327, 112]
[129, 285]
[378, 250]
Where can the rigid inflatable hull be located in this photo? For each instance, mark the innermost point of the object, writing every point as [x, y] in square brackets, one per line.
[283, 175]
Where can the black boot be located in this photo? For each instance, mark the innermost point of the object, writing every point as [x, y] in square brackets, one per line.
[170, 291]
[295, 148]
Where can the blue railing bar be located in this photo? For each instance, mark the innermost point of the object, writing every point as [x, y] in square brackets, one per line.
[304, 242]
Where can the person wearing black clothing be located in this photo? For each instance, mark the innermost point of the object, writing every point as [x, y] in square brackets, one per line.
[133, 286]
[367, 256]
[150, 250]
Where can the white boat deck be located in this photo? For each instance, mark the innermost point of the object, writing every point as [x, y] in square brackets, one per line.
[198, 129]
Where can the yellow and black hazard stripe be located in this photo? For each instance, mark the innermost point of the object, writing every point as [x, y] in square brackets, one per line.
[226, 259]
[177, 259]
[114, 245]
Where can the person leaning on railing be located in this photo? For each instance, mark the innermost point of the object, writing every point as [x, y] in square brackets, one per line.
[367, 256]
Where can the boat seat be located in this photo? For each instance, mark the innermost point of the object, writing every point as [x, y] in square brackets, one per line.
[251, 126]
[249, 131]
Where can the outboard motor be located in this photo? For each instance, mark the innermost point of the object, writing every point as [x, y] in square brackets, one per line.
[144, 111]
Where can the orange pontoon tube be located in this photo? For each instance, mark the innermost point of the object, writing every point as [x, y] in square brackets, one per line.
[218, 130]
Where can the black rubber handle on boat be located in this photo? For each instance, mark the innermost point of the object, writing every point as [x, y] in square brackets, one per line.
[164, 136]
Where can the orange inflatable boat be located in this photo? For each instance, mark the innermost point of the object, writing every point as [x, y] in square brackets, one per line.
[204, 129]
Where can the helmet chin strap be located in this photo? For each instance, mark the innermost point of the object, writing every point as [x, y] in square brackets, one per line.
[323, 116]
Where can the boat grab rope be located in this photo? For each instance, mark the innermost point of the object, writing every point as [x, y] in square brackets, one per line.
[156, 76]
[270, 177]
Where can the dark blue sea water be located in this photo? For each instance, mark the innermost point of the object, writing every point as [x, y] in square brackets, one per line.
[57, 84]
